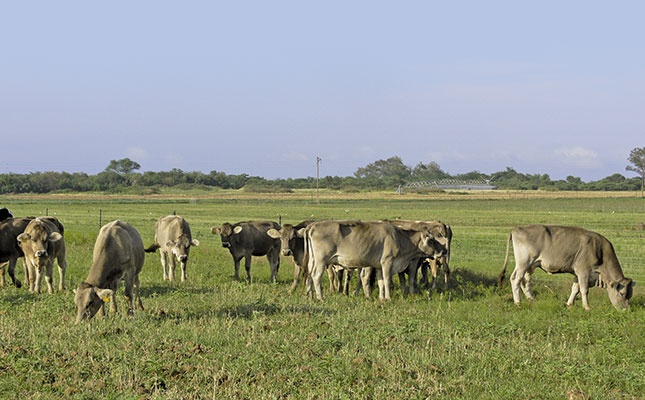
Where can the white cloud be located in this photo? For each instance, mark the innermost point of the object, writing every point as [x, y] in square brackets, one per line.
[577, 157]
[137, 153]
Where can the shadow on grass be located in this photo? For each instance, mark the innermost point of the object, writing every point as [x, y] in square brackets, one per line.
[147, 291]
[243, 311]
[466, 284]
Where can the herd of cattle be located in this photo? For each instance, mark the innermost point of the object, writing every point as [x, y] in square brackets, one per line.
[379, 249]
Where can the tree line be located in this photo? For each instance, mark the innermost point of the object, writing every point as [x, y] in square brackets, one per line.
[122, 175]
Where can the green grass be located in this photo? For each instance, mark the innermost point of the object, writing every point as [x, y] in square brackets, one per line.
[213, 337]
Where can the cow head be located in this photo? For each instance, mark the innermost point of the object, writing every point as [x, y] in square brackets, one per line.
[89, 299]
[180, 247]
[620, 292]
[434, 241]
[288, 236]
[37, 242]
[226, 232]
[5, 214]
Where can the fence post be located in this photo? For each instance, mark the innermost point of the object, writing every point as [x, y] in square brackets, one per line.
[100, 218]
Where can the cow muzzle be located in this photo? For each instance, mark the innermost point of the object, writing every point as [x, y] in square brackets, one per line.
[226, 244]
[286, 252]
[182, 258]
[41, 253]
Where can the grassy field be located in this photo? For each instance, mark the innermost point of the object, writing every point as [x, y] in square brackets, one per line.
[213, 337]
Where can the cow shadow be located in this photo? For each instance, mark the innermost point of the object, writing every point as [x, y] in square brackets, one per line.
[466, 284]
[243, 311]
[158, 290]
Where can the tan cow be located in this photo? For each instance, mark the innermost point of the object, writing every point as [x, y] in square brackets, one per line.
[247, 239]
[173, 238]
[356, 244]
[42, 242]
[556, 249]
[10, 250]
[118, 255]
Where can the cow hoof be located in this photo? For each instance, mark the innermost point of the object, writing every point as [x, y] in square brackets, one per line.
[18, 284]
[517, 304]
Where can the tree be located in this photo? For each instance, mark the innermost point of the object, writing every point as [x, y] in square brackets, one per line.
[388, 172]
[123, 166]
[428, 172]
[637, 158]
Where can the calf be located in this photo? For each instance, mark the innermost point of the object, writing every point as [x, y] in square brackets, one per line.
[118, 255]
[42, 243]
[246, 239]
[173, 237]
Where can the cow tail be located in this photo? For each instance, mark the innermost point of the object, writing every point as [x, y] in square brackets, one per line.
[152, 248]
[500, 278]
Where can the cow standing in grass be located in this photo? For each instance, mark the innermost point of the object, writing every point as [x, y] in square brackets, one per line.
[42, 243]
[247, 239]
[173, 238]
[10, 250]
[118, 255]
[556, 249]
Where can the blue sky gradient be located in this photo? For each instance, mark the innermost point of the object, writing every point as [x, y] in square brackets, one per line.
[264, 87]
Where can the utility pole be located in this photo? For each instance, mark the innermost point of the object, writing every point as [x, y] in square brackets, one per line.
[318, 160]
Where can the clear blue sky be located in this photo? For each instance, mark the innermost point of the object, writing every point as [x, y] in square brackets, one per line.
[263, 87]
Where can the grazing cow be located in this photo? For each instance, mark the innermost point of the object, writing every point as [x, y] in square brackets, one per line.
[42, 243]
[246, 239]
[118, 255]
[172, 236]
[10, 250]
[437, 263]
[556, 249]
[356, 244]
[4, 214]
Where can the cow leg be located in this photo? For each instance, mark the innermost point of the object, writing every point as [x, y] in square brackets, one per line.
[346, 281]
[3, 281]
[172, 264]
[274, 263]
[583, 282]
[525, 284]
[38, 269]
[164, 262]
[575, 289]
[434, 270]
[446, 270]
[403, 283]
[182, 264]
[386, 270]
[12, 273]
[236, 262]
[62, 268]
[49, 269]
[247, 266]
[129, 294]
[136, 292]
[296, 278]
[113, 300]
[412, 275]
[316, 277]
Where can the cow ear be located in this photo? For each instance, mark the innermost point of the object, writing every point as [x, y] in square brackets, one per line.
[301, 232]
[55, 236]
[273, 233]
[23, 237]
[194, 242]
[237, 229]
[104, 294]
[216, 231]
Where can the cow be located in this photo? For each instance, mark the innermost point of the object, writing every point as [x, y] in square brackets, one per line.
[10, 250]
[558, 249]
[42, 243]
[173, 237]
[356, 244]
[293, 244]
[435, 263]
[5, 214]
[118, 255]
[247, 239]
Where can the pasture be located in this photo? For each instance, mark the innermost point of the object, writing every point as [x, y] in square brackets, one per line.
[212, 337]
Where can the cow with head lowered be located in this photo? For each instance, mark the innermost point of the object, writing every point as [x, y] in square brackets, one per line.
[247, 239]
[173, 238]
[118, 255]
[42, 243]
[557, 249]
[379, 244]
